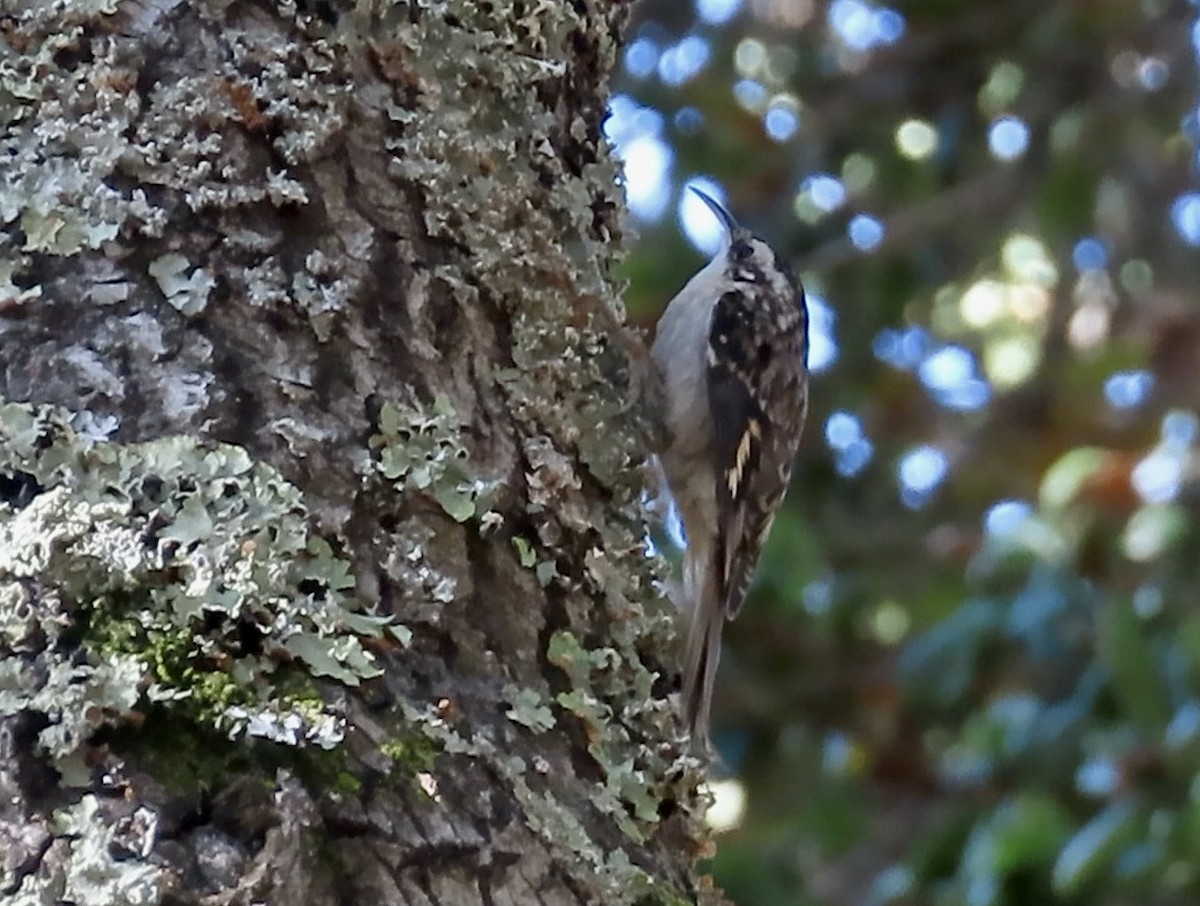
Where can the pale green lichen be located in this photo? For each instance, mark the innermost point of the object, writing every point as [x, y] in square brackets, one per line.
[421, 448]
[92, 876]
[263, 82]
[634, 777]
[546, 572]
[186, 291]
[64, 135]
[191, 575]
[321, 290]
[528, 708]
[75, 698]
[617, 880]
[97, 867]
[539, 261]
[85, 152]
[412, 563]
[536, 259]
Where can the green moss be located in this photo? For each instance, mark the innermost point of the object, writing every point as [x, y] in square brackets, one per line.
[186, 757]
[190, 758]
[411, 754]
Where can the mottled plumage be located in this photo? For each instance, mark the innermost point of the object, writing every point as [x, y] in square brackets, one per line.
[731, 350]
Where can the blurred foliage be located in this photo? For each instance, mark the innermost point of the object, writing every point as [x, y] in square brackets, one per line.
[969, 672]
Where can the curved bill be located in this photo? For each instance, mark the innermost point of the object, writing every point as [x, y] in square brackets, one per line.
[713, 205]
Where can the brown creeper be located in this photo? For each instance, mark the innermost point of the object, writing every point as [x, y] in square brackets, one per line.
[731, 350]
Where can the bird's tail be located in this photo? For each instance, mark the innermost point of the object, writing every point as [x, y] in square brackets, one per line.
[702, 585]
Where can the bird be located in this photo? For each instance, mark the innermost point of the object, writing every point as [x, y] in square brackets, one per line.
[730, 350]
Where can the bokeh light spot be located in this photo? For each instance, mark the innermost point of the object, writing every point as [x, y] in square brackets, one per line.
[1005, 517]
[902, 349]
[684, 61]
[837, 754]
[1179, 429]
[689, 120]
[921, 471]
[1088, 327]
[1150, 531]
[1137, 276]
[826, 192]
[892, 884]
[728, 805]
[648, 161]
[862, 27]
[1185, 215]
[1184, 727]
[1025, 259]
[822, 334]
[1008, 138]
[641, 57]
[1098, 777]
[889, 26]
[1002, 88]
[1153, 73]
[782, 118]
[982, 304]
[854, 458]
[1011, 360]
[1028, 302]
[700, 224]
[636, 134]
[1128, 389]
[717, 12]
[866, 232]
[965, 397]
[1147, 601]
[842, 429]
[854, 23]
[852, 450]
[1089, 254]
[817, 597]
[858, 172]
[749, 57]
[890, 623]
[916, 139]
[947, 368]
[1158, 477]
[750, 94]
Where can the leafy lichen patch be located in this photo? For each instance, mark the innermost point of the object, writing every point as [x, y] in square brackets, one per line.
[421, 448]
[92, 864]
[65, 134]
[165, 573]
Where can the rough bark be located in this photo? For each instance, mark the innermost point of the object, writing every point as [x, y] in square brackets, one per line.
[321, 564]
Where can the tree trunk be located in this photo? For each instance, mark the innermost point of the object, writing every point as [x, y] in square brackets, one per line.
[321, 564]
